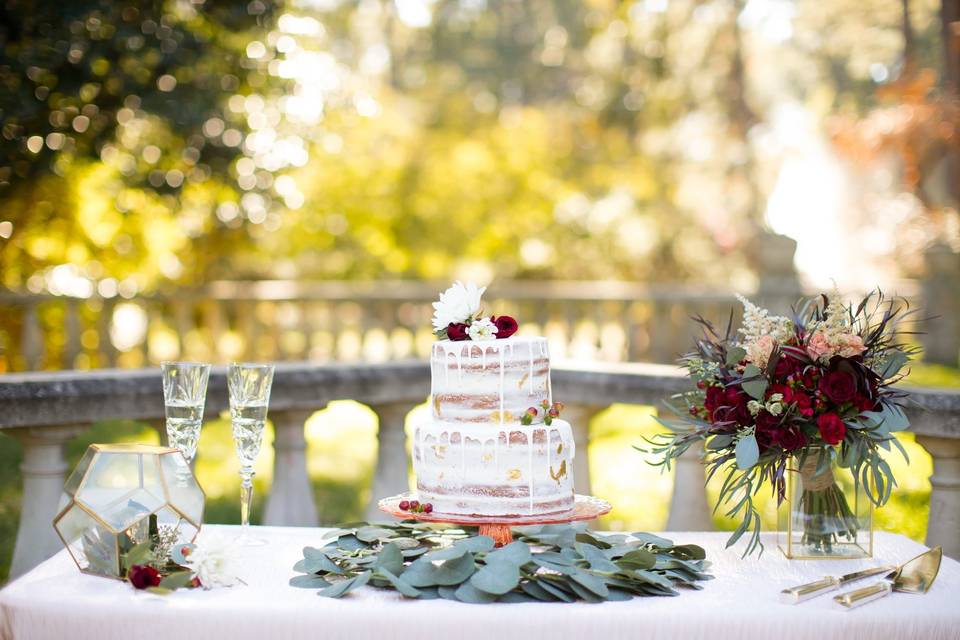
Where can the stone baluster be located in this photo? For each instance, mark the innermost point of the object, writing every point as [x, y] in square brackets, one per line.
[290, 502]
[390, 476]
[43, 470]
[689, 510]
[72, 329]
[579, 417]
[941, 339]
[31, 338]
[943, 528]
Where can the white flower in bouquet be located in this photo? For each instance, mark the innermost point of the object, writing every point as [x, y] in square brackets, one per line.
[761, 332]
[482, 329]
[457, 304]
[214, 561]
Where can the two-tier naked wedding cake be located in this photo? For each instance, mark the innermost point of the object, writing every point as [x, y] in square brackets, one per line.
[495, 445]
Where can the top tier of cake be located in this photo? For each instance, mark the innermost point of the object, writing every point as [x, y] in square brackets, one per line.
[489, 382]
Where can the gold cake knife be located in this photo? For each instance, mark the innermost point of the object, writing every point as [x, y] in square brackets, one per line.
[796, 595]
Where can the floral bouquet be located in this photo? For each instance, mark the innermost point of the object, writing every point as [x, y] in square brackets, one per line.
[803, 395]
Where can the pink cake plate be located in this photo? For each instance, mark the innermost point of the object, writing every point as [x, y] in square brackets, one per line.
[584, 508]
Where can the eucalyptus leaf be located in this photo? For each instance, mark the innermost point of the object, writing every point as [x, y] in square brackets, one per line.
[342, 588]
[176, 580]
[372, 533]
[454, 571]
[466, 592]
[139, 554]
[517, 553]
[595, 557]
[747, 452]
[735, 355]
[308, 582]
[592, 582]
[398, 583]
[754, 383]
[497, 577]
[649, 538]
[390, 559]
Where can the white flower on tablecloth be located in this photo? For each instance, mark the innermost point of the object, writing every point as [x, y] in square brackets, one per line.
[458, 304]
[214, 561]
[482, 329]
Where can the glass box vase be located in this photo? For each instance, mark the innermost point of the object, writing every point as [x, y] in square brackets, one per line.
[826, 513]
[122, 496]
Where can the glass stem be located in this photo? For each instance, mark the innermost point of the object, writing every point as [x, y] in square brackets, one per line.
[246, 498]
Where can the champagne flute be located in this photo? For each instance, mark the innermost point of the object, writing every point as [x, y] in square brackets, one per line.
[249, 386]
[184, 394]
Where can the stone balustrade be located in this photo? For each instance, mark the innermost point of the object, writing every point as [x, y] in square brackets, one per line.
[45, 410]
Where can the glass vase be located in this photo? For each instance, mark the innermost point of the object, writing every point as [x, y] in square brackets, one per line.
[826, 514]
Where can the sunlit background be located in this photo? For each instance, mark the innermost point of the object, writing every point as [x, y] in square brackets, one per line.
[296, 180]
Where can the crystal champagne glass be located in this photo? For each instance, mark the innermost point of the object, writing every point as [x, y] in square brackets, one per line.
[184, 394]
[249, 386]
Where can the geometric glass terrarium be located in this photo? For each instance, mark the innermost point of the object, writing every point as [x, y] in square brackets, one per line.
[123, 495]
[826, 515]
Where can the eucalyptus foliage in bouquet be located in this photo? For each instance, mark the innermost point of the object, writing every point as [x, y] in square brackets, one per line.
[798, 395]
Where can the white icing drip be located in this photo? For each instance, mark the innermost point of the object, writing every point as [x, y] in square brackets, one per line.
[460, 367]
[501, 383]
[530, 467]
[530, 375]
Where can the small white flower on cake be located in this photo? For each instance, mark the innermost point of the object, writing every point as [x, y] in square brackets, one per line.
[214, 561]
[482, 329]
[457, 304]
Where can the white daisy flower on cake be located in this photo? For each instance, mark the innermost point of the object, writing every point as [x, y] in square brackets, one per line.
[458, 304]
[482, 329]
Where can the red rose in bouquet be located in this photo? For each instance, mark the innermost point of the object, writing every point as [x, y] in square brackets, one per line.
[831, 427]
[839, 386]
[792, 438]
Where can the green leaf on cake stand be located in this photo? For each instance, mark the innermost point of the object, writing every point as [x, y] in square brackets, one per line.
[546, 563]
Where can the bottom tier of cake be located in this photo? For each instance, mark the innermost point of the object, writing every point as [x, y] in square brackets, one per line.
[495, 470]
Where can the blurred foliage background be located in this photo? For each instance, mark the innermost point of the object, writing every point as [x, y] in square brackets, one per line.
[154, 147]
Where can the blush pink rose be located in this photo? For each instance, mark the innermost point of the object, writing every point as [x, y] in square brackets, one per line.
[758, 351]
[851, 345]
[819, 347]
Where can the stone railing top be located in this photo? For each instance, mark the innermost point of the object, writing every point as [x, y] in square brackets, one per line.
[81, 397]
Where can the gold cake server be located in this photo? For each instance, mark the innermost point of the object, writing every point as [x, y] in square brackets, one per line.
[913, 576]
[796, 595]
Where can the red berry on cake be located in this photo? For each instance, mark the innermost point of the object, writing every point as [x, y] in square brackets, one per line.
[414, 505]
[404, 505]
[428, 508]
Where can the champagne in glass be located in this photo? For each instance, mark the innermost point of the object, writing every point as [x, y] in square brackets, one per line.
[184, 394]
[249, 386]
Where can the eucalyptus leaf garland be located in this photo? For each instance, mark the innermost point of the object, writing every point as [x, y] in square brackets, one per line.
[548, 563]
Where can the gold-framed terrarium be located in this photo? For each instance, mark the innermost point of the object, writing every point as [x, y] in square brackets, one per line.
[120, 496]
[827, 513]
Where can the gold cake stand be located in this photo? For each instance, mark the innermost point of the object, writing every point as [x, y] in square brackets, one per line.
[498, 528]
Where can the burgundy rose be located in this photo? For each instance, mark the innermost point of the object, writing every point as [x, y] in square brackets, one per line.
[714, 398]
[142, 576]
[457, 331]
[832, 429]
[839, 386]
[783, 390]
[804, 403]
[767, 428]
[506, 326]
[865, 403]
[791, 438]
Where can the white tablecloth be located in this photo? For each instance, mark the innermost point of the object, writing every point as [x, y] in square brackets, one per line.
[57, 601]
